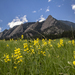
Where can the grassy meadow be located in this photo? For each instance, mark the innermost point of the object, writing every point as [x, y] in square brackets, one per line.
[37, 57]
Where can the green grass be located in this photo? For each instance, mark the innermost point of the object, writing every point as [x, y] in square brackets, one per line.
[41, 58]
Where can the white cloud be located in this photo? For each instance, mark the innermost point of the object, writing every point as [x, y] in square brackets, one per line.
[17, 21]
[41, 18]
[59, 5]
[34, 11]
[47, 9]
[49, 0]
[0, 29]
[1, 21]
[73, 7]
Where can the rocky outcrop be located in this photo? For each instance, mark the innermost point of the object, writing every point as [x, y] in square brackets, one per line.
[53, 26]
[6, 35]
[31, 27]
[3, 33]
[50, 21]
[19, 29]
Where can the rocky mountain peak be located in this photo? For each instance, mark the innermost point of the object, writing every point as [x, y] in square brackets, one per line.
[49, 17]
[48, 23]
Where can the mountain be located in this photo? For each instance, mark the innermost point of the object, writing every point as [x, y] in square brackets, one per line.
[13, 32]
[53, 26]
[49, 26]
[68, 23]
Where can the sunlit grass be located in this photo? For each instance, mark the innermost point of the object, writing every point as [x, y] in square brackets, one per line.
[37, 57]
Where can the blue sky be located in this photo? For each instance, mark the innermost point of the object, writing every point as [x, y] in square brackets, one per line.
[15, 12]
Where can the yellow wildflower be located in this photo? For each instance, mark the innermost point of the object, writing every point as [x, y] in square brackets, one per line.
[51, 45]
[61, 42]
[36, 42]
[21, 60]
[7, 45]
[43, 53]
[25, 50]
[15, 67]
[45, 43]
[73, 52]
[73, 62]
[12, 39]
[22, 36]
[59, 45]
[33, 51]
[5, 60]
[73, 42]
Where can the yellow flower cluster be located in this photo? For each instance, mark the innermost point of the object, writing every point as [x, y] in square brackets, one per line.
[44, 43]
[61, 43]
[22, 36]
[26, 47]
[74, 57]
[43, 52]
[32, 51]
[17, 57]
[73, 42]
[49, 43]
[6, 58]
[7, 45]
[36, 42]
[35, 46]
[11, 39]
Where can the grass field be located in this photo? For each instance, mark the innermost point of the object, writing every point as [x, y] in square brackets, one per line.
[37, 57]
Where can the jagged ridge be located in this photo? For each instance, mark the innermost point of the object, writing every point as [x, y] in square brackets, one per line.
[49, 26]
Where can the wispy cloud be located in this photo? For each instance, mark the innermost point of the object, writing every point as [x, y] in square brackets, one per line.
[1, 21]
[73, 7]
[34, 12]
[59, 5]
[17, 21]
[40, 9]
[41, 18]
[0, 29]
[49, 0]
[47, 9]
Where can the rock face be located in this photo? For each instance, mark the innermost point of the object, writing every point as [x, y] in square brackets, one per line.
[8, 32]
[19, 30]
[53, 26]
[31, 27]
[2, 33]
[50, 21]
[49, 26]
